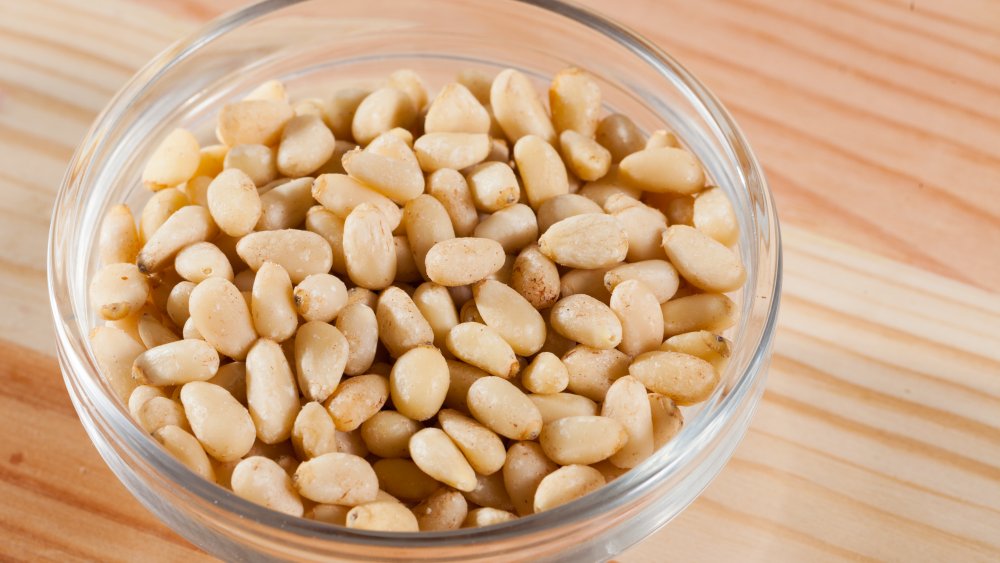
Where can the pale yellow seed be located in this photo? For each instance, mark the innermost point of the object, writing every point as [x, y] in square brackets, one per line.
[702, 260]
[667, 419]
[463, 261]
[286, 206]
[575, 99]
[271, 90]
[387, 434]
[339, 114]
[118, 290]
[518, 109]
[341, 194]
[643, 227]
[713, 215]
[202, 260]
[329, 513]
[115, 352]
[514, 227]
[320, 297]
[450, 188]
[620, 136]
[252, 122]
[481, 446]
[233, 378]
[176, 363]
[563, 405]
[188, 225]
[356, 400]
[436, 455]
[641, 319]
[684, 378]
[404, 480]
[566, 484]
[369, 250]
[504, 409]
[477, 82]
[218, 420]
[427, 223]
[234, 202]
[663, 170]
[592, 371]
[586, 320]
[382, 517]
[271, 303]
[523, 470]
[153, 332]
[483, 347]
[659, 276]
[264, 482]
[535, 277]
[470, 313]
[586, 241]
[336, 478]
[272, 397]
[358, 324]
[406, 264]
[438, 308]
[456, 151]
[511, 315]
[119, 239]
[221, 315]
[446, 509]
[708, 311]
[462, 377]
[542, 170]
[158, 412]
[178, 300]
[610, 185]
[173, 162]
[486, 516]
[582, 439]
[351, 443]
[190, 331]
[562, 207]
[300, 253]
[186, 448]
[306, 143]
[256, 161]
[456, 110]
[493, 186]
[627, 403]
[400, 324]
[584, 156]
[397, 177]
[662, 138]
[410, 83]
[320, 352]
[703, 344]
[546, 374]
[211, 159]
[418, 382]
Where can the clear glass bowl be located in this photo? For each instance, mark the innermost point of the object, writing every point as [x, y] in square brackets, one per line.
[313, 46]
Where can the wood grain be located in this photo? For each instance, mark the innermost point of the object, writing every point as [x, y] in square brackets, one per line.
[878, 123]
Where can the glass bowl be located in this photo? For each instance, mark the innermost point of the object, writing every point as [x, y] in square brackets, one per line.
[313, 46]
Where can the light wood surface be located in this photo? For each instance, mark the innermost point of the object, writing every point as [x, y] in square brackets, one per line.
[878, 122]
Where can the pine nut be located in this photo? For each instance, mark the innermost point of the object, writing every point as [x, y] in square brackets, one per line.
[264, 482]
[641, 318]
[400, 324]
[403, 479]
[541, 169]
[119, 239]
[483, 347]
[481, 446]
[176, 363]
[320, 357]
[592, 371]
[462, 377]
[514, 227]
[584, 156]
[313, 433]
[178, 302]
[329, 513]
[115, 352]
[563, 405]
[663, 170]
[320, 297]
[185, 447]
[418, 382]
[218, 420]
[306, 143]
[446, 509]
[300, 253]
[575, 99]
[586, 320]
[683, 378]
[582, 439]
[493, 186]
[286, 206]
[450, 188]
[702, 260]
[438, 308]
[620, 136]
[437, 456]
[546, 374]
[339, 115]
[256, 161]
[173, 162]
[356, 400]
[707, 311]
[252, 122]
[351, 443]
[153, 333]
[271, 303]
[523, 470]
[336, 478]
[535, 277]
[427, 223]
[202, 260]
[158, 412]
[188, 225]
[662, 138]
[272, 397]
[563, 207]
[486, 516]
[627, 403]
[659, 276]
[463, 261]
[518, 108]
[387, 434]
[359, 326]
[586, 241]
[118, 290]
[222, 317]
[341, 194]
[369, 251]
[667, 419]
[504, 409]
[382, 517]
[398, 178]
[643, 227]
[456, 151]
[511, 315]
[713, 215]
[566, 484]
[712, 348]
[456, 110]
[210, 160]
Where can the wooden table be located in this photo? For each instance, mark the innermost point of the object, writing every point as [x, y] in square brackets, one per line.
[878, 122]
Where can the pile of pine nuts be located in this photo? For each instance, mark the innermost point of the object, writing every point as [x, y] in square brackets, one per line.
[398, 313]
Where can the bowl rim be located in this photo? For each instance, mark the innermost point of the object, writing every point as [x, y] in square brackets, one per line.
[75, 354]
